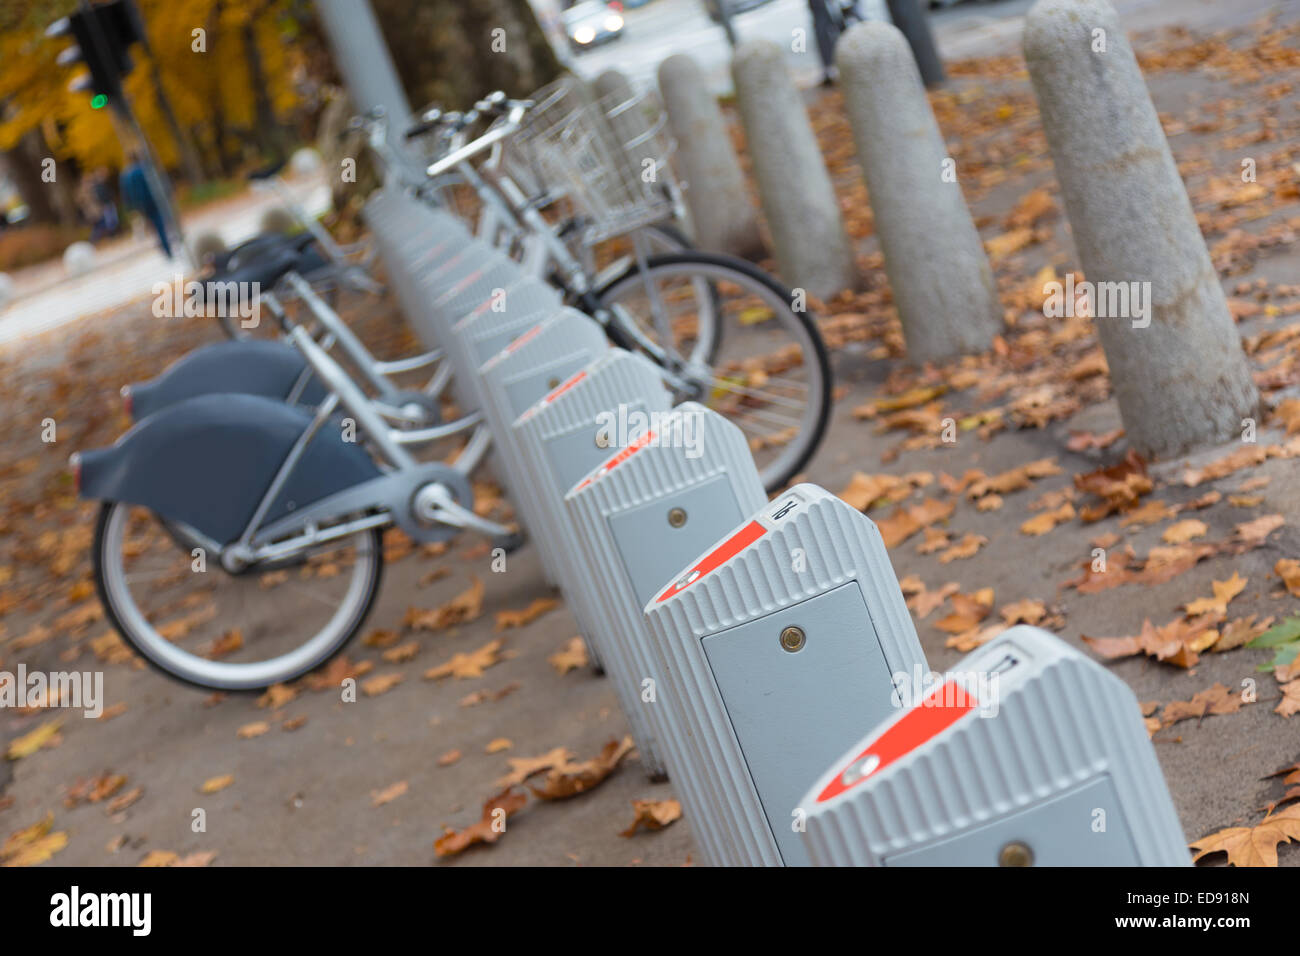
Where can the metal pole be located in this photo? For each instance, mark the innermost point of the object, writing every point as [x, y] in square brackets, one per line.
[121, 106]
[911, 19]
[363, 59]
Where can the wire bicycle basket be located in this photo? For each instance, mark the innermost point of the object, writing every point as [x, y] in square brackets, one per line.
[609, 157]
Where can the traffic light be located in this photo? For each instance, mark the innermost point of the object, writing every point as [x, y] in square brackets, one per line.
[103, 34]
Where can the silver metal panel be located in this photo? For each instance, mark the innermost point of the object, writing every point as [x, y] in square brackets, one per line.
[1058, 831]
[710, 510]
[794, 712]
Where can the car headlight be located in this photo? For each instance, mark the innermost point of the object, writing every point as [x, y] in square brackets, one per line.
[613, 23]
[584, 35]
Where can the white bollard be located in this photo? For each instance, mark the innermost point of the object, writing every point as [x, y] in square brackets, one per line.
[78, 258]
[803, 214]
[673, 487]
[1027, 754]
[780, 644]
[940, 276]
[562, 437]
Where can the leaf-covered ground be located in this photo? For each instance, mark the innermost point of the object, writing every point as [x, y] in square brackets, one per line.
[474, 702]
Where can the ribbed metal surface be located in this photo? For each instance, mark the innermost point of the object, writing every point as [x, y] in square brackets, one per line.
[617, 377]
[561, 338]
[658, 472]
[837, 545]
[1067, 720]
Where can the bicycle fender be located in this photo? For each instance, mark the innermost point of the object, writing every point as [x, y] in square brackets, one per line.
[208, 460]
[246, 366]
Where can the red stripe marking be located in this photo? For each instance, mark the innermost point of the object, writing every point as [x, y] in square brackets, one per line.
[564, 387]
[526, 337]
[720, 555]
[616, 460]
[924, 721]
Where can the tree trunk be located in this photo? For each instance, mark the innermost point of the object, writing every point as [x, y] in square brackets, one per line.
[452, 52]
[269, 133]
[184, 145]
[47, 202]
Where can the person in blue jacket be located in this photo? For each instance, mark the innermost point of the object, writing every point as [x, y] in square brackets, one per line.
[136, 194]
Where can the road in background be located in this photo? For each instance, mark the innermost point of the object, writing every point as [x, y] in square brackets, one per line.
[660, 28]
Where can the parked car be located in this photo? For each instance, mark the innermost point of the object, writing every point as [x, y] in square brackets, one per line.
[591, 23]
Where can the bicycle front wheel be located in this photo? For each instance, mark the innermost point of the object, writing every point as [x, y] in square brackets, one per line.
[767, 368]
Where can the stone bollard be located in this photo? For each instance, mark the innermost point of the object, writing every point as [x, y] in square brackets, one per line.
[942, 284]
[722, 217]
[1176, 363]
[803, 214]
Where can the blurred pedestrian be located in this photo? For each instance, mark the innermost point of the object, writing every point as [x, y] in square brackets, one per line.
[137, 194]
[103, 205]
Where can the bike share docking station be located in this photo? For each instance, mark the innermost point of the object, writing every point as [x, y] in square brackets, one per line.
[1028, 753]
[778, 645]
[661, 497]
[516, 377]
[564, 436]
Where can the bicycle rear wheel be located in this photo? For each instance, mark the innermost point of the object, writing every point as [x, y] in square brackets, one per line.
[184, 614]
[767, 369]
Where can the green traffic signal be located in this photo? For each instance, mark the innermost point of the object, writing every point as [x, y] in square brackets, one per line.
[98, 101]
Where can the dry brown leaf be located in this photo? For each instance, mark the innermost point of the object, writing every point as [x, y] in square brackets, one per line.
[215, 784]
[570, 779]
[572, 656]
[46, 735]
[255, 729]
[653, 815]
[1027, 611]
[487, 829]
[923, 602]
[390, 793]
[965, 548]
[1240, 631]
[381, 683]
[1289, 705]
[463, 608]
[277, 695]
[1253, 846]
[1218, 700]
[1224, 592]
[968, 610]
[1042, 523]
[449, 758]
[333, 674]
[1015, 479]
[508, 619]
[464, 666]
[906, 520]
[498, 744]
[521, 768]
[34, 844]
[1180, 532]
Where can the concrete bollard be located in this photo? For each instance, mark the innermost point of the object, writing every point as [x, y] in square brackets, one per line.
[803, 214]
[722, 217]
[942, 284]
[1176, 363]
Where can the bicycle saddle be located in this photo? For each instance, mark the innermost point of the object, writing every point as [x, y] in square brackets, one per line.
[263, 244]
[264, 272]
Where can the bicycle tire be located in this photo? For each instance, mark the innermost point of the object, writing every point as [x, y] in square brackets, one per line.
[116, 621]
